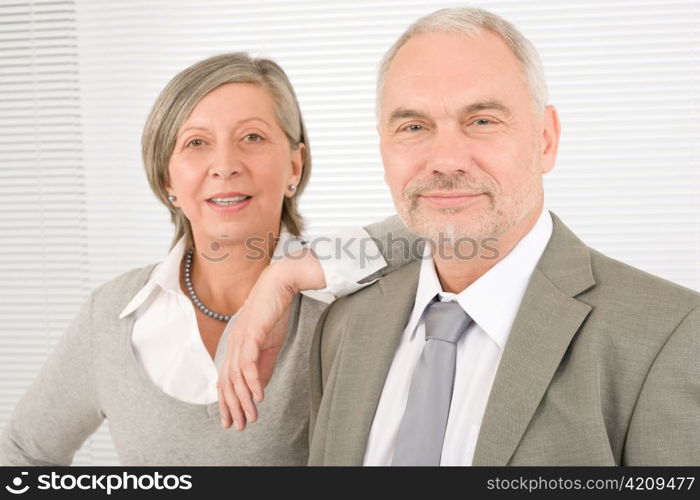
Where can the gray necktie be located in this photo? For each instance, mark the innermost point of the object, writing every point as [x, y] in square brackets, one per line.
[422, 430]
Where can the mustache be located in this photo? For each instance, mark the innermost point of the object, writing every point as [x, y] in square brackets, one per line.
[444, 182]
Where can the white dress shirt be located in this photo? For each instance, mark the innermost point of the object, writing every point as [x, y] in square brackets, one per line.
[492, 302]
[166, 338]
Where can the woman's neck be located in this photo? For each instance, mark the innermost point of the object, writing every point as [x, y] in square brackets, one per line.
[223, 278]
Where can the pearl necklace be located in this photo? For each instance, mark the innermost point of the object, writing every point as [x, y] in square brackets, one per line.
[193, 295]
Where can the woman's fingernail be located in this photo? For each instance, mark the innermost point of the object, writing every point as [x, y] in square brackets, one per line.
[235, 423]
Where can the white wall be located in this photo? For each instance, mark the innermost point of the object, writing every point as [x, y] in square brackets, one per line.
[75, 208]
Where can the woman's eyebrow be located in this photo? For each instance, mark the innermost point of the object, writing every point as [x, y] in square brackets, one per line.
[203, 128]
[253, 118]
[190, 128]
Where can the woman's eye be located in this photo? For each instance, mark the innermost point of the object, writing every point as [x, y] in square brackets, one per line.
[195, 143]
[253, 138]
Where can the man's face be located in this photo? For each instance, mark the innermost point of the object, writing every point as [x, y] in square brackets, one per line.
[463, 148]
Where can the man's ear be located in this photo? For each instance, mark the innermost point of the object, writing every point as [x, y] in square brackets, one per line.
[551, 131]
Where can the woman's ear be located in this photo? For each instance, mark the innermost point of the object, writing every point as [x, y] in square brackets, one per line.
[298, 161]
[172, 198]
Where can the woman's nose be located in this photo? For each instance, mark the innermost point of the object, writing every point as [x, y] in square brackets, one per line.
[225, 163]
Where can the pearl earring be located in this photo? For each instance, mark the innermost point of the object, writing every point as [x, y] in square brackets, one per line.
[292, 188]
[172, 199]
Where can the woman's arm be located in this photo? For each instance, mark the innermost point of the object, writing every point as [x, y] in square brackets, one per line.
[259, 331]
[355, 258]
[60, 409]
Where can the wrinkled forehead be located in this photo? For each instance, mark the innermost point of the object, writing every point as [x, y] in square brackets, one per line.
[452, 69]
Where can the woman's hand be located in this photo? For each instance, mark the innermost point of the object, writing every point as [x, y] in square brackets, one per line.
[258, 334]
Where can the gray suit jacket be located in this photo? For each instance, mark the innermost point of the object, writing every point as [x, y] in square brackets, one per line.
[602, 367]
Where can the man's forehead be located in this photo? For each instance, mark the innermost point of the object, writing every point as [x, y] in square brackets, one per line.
[427, 51]
[453, 68]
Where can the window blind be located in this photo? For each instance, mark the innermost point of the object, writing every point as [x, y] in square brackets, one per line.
[43, 271]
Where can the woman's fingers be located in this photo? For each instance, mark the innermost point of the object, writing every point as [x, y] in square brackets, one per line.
[234, 407]
[229, 404]
[250, 352]
[226, 418]
[243, 395]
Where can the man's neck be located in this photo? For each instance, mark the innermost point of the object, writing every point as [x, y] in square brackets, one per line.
[457, 272]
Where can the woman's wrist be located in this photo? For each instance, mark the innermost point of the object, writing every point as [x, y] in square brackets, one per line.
[300, 271]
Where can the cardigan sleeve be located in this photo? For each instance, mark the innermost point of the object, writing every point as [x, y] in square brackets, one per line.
[60, 410]
[355, 258]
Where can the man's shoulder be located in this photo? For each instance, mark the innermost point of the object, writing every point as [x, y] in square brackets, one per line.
[609, 285]
[399, 277]
[396, 243]
[635, 309]
[630, 284]
[379, 303]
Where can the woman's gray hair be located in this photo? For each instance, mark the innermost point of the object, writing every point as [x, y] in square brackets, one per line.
[181, 95]
[472, 21]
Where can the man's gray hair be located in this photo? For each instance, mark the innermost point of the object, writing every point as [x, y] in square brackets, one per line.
[471, 22]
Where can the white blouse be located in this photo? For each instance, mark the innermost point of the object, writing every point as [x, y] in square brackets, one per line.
[166, 338]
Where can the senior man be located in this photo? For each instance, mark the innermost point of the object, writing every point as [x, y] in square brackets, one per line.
[540, 351]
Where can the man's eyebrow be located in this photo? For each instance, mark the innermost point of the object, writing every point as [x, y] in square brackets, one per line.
[403, 113]
[486, 106]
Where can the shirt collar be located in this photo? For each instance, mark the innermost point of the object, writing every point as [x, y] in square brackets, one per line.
[166, 275]
[492, 301]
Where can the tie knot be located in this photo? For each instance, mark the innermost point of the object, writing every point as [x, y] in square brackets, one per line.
[445, 321]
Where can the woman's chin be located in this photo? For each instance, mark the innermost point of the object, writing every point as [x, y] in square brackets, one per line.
[248, 232]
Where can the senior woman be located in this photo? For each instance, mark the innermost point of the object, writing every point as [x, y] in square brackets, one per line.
[225, 149]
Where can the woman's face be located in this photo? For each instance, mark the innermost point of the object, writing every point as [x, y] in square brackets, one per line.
[232, 166]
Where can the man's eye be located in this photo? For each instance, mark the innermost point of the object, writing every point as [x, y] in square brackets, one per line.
[483, 121]
[414, 127]
[195, 143]
[253, 138]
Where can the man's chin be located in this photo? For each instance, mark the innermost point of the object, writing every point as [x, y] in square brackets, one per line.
[446, 227]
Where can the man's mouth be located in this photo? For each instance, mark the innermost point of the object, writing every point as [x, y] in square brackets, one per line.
[449, 199]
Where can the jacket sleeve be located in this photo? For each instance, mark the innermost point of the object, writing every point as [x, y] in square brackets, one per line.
[665, 425]
[60, 409]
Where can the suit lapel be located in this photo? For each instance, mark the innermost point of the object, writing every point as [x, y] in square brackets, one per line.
[547, 320]
[366, 354]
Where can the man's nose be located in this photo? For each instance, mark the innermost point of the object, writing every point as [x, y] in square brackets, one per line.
[450, 152]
